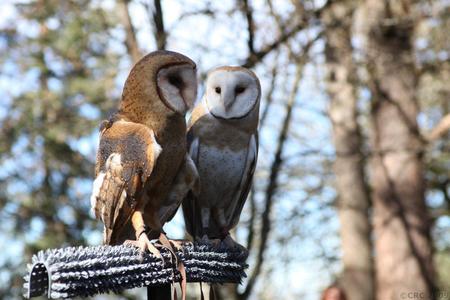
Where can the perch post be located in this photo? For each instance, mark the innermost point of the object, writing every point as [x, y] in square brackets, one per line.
[87, 271]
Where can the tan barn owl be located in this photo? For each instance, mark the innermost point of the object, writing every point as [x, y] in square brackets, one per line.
[223, 143]
[142, 151]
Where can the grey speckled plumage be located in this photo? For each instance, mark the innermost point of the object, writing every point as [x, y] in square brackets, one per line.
[223, 143]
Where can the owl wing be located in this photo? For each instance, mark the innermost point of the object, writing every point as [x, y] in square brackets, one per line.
[187, 180]
[125, 159]
[191, 213]
[234, 210]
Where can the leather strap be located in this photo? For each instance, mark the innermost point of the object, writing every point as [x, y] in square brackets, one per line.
[183, 282]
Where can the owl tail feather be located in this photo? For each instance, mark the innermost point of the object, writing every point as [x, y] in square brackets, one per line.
[107, 236]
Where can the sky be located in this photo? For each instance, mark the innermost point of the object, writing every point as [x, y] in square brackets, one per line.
[309, 273]
[311, 270]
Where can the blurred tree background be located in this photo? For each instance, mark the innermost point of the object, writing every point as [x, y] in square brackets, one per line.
[352, 184]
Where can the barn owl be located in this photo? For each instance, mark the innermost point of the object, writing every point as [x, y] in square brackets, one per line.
[223, 143]
[142, 152]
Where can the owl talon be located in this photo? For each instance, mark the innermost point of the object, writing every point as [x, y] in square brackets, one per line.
[205, 239]
[165, 243]
[176, 245]
[154, 250]
[144, 244]
[229, 243]
[213, 243]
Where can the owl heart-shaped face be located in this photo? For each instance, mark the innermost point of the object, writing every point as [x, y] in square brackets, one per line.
[232, 92]
[177, 85]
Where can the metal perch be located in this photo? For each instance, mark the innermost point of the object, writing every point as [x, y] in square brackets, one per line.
[86, 271]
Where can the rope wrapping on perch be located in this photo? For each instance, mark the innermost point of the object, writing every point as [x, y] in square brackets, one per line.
[86, 271]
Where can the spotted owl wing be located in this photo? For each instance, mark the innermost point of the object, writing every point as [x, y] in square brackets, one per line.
[234, 210]
[187, 180]
[190, 205]
[125, 159]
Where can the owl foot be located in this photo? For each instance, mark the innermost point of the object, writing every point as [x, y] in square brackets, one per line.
[172, 246]
[205, 239]
[214, 243]
[163, 242]
[144, 244]
[176, 244]
[229, 243]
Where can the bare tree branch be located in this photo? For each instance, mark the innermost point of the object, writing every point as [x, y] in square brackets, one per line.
[201, 12]
[251, 223]
[433, 67]
[247, 10]
[269, 94]
[130, 40]
[253, 59]
[259, 55]
[158, 21]
[273, 184]
[156, 18]
[440, 129]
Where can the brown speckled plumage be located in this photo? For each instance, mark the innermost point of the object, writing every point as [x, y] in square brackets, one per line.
[150, 138]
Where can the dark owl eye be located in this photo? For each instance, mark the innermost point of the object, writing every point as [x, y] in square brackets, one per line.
[218, 90]
[239, 89]
[175, 80]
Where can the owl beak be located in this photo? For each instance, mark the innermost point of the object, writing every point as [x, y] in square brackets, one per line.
[228, 99]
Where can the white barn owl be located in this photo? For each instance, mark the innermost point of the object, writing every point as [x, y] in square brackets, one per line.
[223, 143]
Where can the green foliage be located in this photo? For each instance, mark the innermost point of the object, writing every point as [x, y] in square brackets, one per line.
[59, 64]
[443, 262]
[60, 71]
[433, 94]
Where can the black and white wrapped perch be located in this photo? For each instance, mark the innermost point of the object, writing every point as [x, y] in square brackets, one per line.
[87, 271]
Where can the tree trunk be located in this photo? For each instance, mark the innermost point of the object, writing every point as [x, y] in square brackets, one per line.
[402, 225]
[353, 194]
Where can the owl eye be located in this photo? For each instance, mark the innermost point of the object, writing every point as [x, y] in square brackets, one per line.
[176, 80]
[239, 90]
[218, 90]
